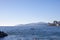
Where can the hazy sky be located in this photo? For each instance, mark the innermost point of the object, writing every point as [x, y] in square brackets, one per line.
[14, 12]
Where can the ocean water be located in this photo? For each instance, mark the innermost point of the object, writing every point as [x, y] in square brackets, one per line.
[32, 33]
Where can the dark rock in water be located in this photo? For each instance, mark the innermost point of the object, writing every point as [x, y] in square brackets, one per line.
[2, 34]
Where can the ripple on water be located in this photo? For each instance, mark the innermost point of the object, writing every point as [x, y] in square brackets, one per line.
[15, 37]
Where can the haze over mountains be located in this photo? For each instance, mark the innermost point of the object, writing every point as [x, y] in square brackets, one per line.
[33, 24]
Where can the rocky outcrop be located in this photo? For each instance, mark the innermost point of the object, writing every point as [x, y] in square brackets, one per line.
[55, 23]
[2, 34]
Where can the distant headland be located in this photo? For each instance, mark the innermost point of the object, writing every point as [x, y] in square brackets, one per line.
[55, 23]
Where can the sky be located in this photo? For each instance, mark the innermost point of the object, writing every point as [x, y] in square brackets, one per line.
[13, 12]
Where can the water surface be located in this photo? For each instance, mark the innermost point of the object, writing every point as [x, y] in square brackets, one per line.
[32, 33]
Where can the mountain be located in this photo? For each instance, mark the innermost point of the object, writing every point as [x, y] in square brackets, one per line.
[33, 24]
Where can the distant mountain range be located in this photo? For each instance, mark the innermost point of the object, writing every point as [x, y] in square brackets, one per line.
[33, 24]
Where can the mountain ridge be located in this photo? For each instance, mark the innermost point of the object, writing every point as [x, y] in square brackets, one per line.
[32, 24]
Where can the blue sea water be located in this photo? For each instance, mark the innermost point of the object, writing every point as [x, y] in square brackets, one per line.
[32, 33]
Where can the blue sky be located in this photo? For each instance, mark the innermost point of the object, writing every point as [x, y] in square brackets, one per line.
[14, 12]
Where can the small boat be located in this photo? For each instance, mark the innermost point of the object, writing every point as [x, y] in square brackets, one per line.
[3, 34]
